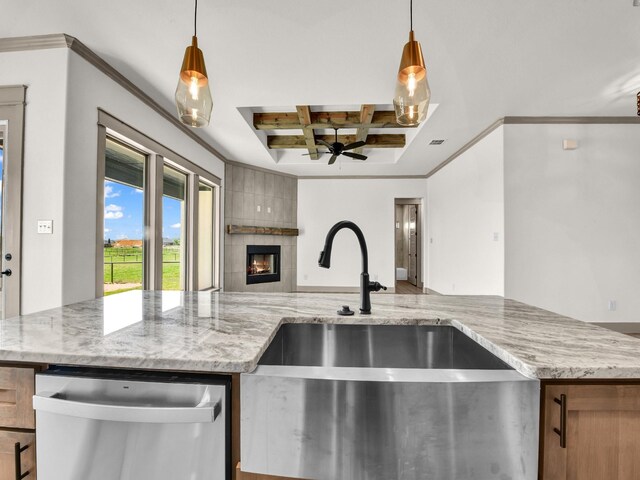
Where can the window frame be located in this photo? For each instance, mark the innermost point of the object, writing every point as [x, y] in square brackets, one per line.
[157, 156]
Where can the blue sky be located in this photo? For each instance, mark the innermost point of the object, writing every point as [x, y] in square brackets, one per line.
[124, 213]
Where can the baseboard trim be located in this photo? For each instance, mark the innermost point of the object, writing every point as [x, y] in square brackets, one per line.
[323, 289]
[429, 291]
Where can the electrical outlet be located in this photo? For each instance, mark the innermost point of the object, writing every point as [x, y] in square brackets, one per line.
[45, 226]
[305, 276]
[496, 236]
[612, 305]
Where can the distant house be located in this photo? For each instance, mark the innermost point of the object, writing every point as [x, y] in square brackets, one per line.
[127, 244]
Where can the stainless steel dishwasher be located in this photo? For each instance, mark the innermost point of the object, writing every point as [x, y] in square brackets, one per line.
[96, 424]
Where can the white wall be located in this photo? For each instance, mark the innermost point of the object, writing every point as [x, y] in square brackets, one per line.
[367, 202]
[60, 159]
[465, 217]
[573, 219]
[44, 72]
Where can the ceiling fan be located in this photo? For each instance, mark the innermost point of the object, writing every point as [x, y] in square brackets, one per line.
[337, 148]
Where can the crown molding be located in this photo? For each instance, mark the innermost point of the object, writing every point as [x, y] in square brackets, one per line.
[34, 42]
[362, 177]
[571, 120]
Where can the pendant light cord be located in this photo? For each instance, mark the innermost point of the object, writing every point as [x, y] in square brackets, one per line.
[195, 19]
[410, 12]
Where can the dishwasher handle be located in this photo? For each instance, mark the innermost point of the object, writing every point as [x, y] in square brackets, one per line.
[204, 413]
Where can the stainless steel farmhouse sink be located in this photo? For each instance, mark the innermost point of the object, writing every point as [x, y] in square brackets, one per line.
[387, 402]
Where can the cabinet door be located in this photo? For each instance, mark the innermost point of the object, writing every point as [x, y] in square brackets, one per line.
[16, 397]
[240, 475]
[591, 432]
[8, 454]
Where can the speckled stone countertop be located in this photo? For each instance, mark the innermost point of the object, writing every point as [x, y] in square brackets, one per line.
[228, 332]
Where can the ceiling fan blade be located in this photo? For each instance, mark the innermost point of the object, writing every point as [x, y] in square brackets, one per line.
[353, 145]
[333, 158]
[322, 142]
[357, 156]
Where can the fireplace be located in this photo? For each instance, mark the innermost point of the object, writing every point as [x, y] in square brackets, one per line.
[263, 263]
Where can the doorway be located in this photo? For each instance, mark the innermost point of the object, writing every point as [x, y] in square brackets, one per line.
[408, 251]
[11, 127]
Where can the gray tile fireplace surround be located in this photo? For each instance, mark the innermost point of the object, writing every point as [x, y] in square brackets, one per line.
[277, 196]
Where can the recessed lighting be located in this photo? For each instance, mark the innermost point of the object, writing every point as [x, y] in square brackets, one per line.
[440, 142]
[636, 3]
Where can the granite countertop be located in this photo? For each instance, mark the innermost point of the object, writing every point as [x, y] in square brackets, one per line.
[228, 332]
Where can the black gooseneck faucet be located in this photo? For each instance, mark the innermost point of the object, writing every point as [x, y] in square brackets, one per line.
[366, 287]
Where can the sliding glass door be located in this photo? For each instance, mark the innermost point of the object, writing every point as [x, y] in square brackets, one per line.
[158, 219]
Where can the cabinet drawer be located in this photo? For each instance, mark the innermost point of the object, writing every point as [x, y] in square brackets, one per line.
[8, 454]
[16, 397]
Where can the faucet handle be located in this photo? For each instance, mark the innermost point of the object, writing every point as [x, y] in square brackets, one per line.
[376, 287]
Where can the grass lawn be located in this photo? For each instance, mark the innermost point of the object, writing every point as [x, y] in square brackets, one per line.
[127, 268]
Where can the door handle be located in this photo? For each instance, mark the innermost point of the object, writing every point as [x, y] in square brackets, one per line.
[6, 272]
[18, 449]
[562, 431]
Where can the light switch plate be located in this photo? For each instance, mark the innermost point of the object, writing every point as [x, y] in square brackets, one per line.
[45, 226]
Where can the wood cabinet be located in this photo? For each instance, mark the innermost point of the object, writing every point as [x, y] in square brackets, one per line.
[240, 475]
[17, 386]
[18, 446]
[26, 442]
[590, 431]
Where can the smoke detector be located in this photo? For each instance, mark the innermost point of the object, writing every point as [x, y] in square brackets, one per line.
[636, 3]
[440, 142]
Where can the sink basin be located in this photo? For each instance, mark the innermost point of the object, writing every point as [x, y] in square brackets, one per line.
[378, 346]
[387, 402]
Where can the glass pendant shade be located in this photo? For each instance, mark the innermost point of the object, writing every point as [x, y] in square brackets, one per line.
[412, 95]
[193, 97]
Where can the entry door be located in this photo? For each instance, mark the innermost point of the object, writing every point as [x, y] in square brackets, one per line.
[11, 127]
[413, 245]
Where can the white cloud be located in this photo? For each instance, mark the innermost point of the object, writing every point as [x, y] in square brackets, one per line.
[107, 230]
[122, 237]
[176, 225]
[113, 212]
[109, 192]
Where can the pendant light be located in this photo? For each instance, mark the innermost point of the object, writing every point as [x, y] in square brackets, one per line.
[193, 97]
[412, 95]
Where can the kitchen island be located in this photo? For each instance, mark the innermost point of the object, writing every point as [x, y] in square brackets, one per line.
[590, 386]
[228, 332]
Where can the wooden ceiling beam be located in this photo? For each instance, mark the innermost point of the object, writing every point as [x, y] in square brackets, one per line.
[395, 140]
[319, 120]
[366, 115]
[304, 117]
